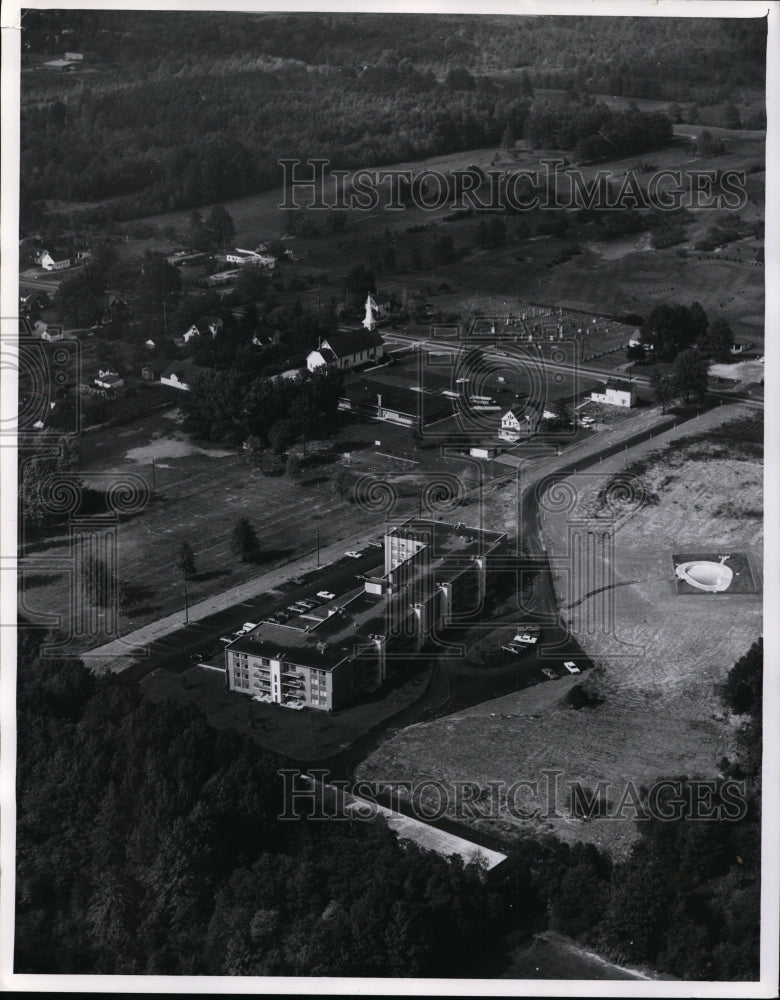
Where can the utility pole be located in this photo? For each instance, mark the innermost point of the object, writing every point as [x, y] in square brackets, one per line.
[186, 602]
[318, 547]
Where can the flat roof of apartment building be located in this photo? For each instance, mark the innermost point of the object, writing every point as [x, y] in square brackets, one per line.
[324, 636]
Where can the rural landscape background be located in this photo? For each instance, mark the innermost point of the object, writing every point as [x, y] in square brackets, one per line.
[147, 795]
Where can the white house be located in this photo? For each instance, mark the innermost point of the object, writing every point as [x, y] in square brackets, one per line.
[345, 350]
[615, 393]
[179, 375]
[106, 379]
[241, 257]
[512, 423]
[57, 260]
[205, 325]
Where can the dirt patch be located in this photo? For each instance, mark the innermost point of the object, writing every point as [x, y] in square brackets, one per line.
[659, 657]
[172, 447]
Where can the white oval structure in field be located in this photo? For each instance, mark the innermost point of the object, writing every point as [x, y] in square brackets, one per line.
[711, 577]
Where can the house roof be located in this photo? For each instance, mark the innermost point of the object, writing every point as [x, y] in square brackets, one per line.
[617, 385]
[57, 254]
[351, 342]
[401, 400]
[517, 410]
[185, 371]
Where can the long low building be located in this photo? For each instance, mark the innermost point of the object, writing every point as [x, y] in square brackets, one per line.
[394, 403]
[432, 575]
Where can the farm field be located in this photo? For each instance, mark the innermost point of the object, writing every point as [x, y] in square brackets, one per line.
[655, 710]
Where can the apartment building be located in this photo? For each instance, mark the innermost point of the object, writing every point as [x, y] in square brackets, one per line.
[432, 575]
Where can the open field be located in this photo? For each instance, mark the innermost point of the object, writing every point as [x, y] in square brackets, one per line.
[656, 711]
[617, 276]
[198, 491]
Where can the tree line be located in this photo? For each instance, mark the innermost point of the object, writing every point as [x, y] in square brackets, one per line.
[232, 407]
[148, 843]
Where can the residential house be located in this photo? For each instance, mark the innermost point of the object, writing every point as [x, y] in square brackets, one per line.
[53, 332]
[345, 350]
[33, 301]
[106, 379]
[513, 422]
[112, 307]
[180, 375]
[203, 327]
[615, 393]
[242, 257]
[264, 337]
[149, 373]
[55, 260]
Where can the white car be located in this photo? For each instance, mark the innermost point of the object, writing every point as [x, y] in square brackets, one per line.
[325, 595]
[572, 667]
[353, 555]
[248, 626]
[551, 674]
[528, 640]
[226, 639]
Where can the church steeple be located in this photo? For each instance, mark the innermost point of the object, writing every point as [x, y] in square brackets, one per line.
[370, 320]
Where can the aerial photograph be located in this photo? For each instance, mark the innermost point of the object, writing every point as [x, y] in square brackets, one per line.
[388, 547]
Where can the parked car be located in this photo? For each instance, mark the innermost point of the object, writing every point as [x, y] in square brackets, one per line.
[526, 639]
[510, 648]
[325, 595]
[308, 603]
[248, 626]
[226, 639]
[282, 616]
[298, 580]
[572, 667]
[376, 545]
[550, 673]
[353, 555]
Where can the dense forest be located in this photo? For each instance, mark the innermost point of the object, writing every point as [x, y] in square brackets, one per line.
[231, 94]
[148, 842]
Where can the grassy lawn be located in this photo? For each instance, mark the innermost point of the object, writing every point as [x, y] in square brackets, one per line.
[198, 492]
